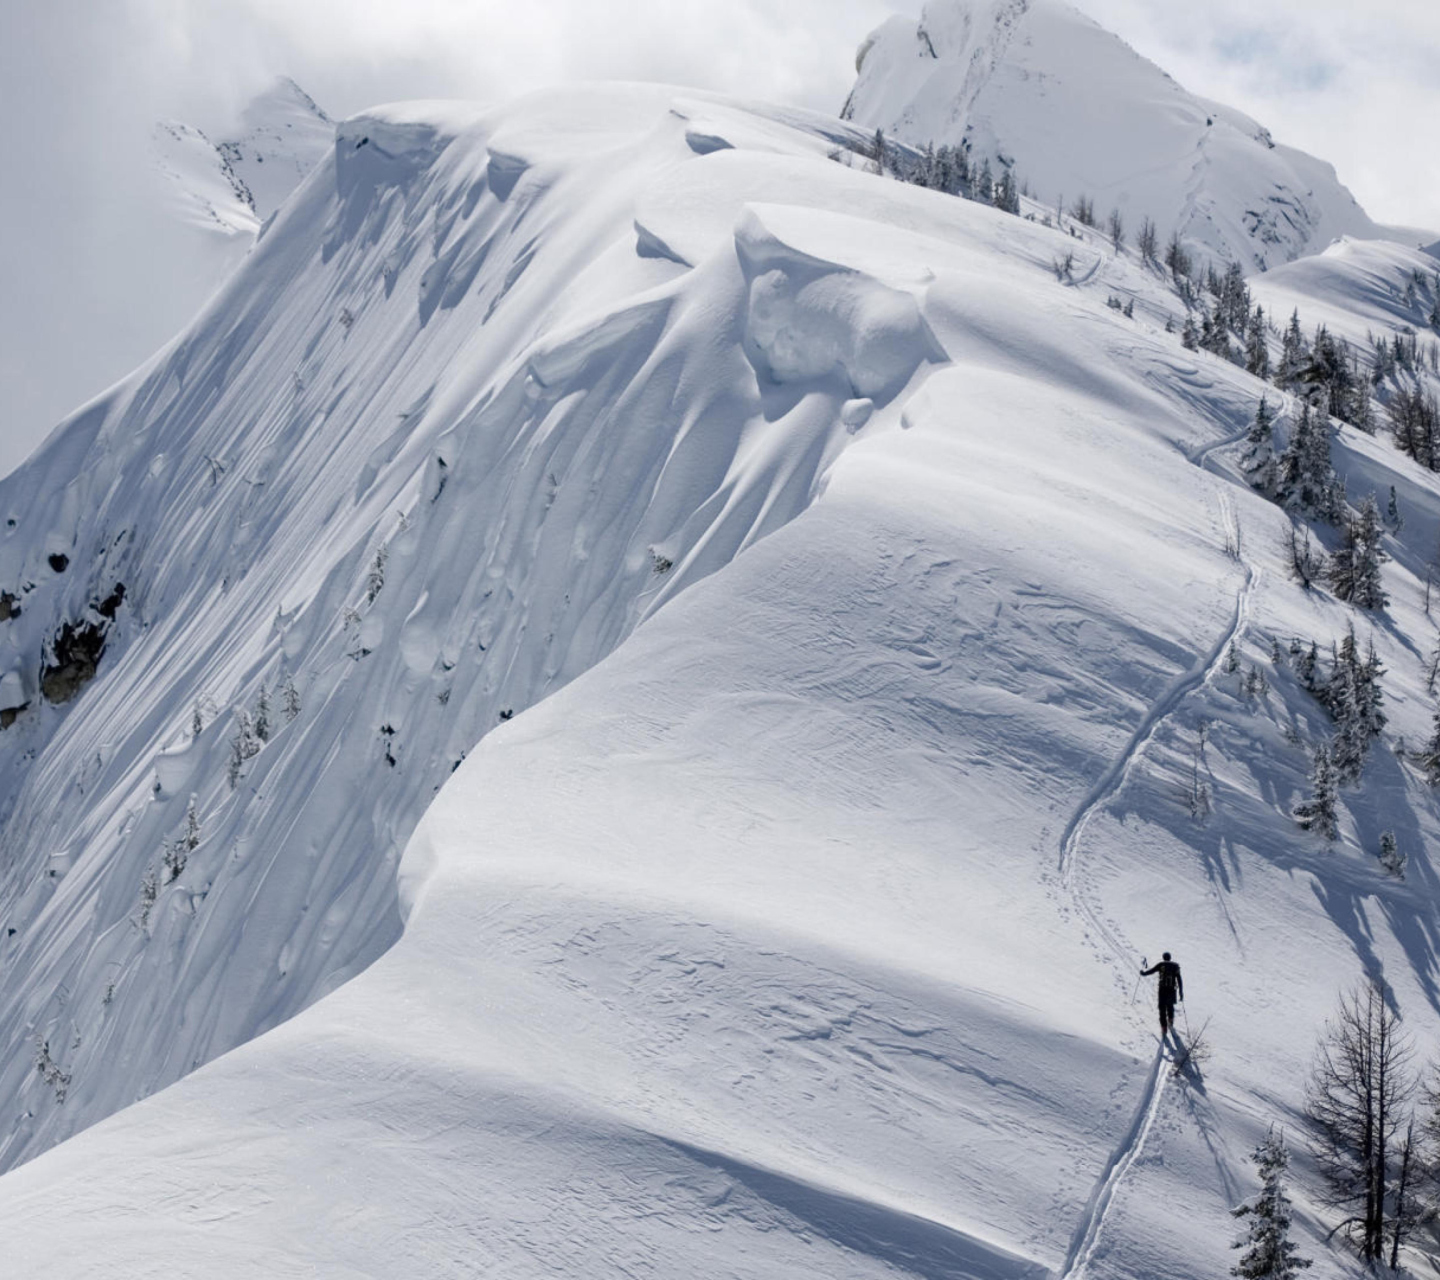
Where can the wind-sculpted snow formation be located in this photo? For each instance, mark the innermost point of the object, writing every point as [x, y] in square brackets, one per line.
[843, 601]
[1036, 84]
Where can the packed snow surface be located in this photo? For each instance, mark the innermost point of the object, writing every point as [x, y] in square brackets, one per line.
[843, 602]
[1038, 85]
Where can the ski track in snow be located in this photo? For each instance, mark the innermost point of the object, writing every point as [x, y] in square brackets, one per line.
[1111, 782]
[1087, 1232]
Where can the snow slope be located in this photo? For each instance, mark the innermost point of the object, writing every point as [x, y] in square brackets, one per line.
[837, 598]
[1039, 85]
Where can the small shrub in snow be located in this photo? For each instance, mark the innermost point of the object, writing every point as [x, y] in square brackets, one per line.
[243, 746]
[290, 697]
[1306, 563]
[50, 1070]
[1391, 859]
[1147, 240]
[375, 579]
[149, 892]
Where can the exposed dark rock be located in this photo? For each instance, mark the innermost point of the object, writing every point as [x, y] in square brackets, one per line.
[9, 606]
[106, 608]
[9, 715]
[76, 650]
[59, 562]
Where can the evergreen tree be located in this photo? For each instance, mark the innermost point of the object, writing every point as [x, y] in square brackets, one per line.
[1414, 420]
[1269, 1254]
[1430, 756]
[1394, 521]
[1007, 196]
[1294, 353]
[1318, 812]
[1354, 569]
[984, 188]
[1147, 240]
[1257, 460]
[262, 715]
[1257, 348]
[1177, 259]
[1117, 230]
[1307, 481]
[1307, 663]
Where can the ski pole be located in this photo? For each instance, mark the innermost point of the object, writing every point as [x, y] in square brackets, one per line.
[1138, 981]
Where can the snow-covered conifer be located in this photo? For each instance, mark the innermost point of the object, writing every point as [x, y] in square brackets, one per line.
[1306, 479]
[1318, 812]
[1307, 663]
[262, 715]
[1294, 353]
[243, 745]
[983, 189]
[1257, 348]
[1257, 460]
[1354, 569]
[1394, 521]
[1269, 1254]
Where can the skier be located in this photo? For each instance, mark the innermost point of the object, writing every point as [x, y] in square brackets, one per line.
[1172, 987]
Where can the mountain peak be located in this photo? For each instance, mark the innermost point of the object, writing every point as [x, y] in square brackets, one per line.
[1040, 86]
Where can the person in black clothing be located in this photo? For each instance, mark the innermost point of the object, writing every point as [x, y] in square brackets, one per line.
[1172, 987]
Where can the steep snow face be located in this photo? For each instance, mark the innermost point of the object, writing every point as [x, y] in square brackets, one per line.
[932, 682]
[1036, 84]
[454, 429]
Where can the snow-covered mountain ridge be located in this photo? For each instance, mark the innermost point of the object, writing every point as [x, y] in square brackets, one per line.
[842, 598]
[1037, 85]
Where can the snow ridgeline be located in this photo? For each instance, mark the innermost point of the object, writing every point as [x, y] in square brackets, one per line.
[795, 937]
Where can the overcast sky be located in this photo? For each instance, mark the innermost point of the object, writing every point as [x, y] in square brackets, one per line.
[94, 280]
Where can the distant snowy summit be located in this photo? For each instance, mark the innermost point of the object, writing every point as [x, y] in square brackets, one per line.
[231, 186]
[1036, 86]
